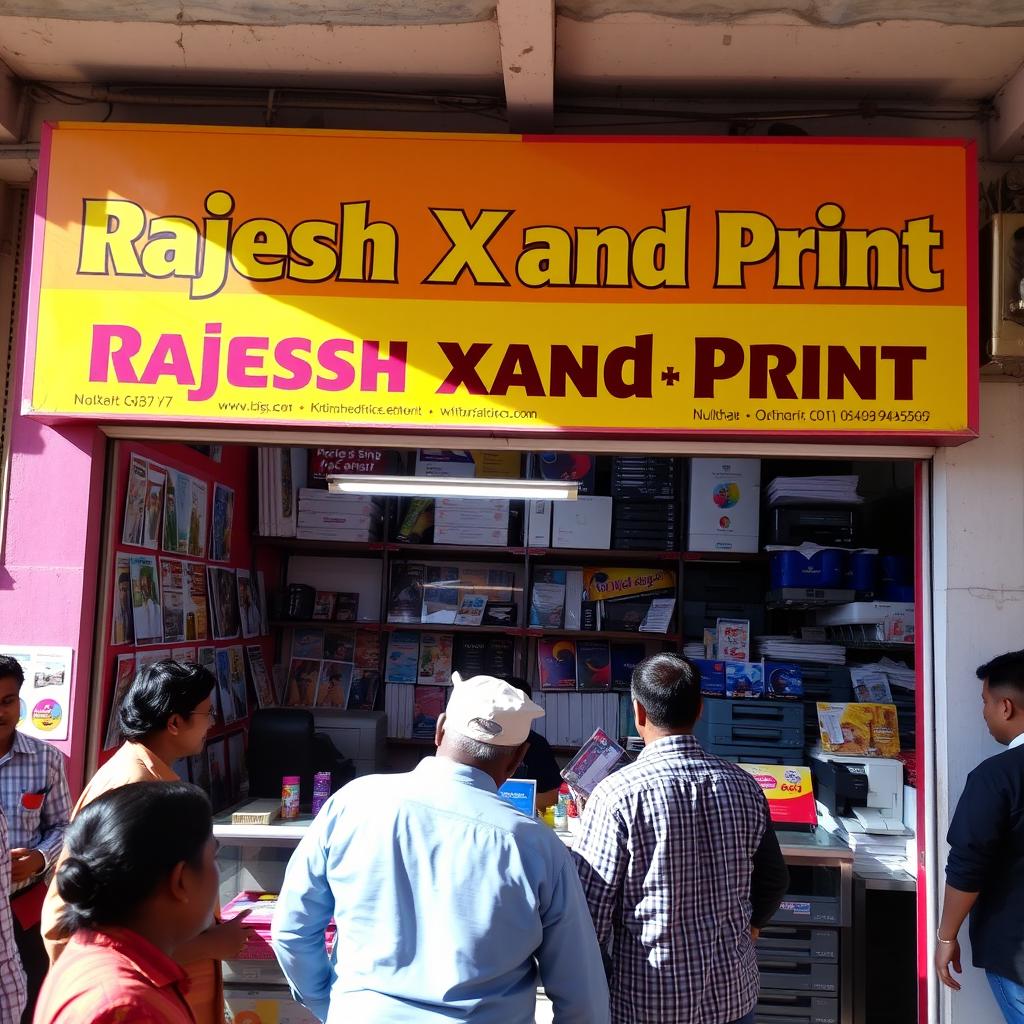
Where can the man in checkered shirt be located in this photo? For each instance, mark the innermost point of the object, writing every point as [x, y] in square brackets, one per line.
[680, 866]
[12, 977]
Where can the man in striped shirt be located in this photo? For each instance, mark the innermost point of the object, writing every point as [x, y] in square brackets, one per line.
[12, 977]
[680, 866]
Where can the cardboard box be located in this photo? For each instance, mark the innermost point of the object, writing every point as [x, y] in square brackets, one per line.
[725, 504]
[744, 679]
[471, 536]
[266, 1006]
[583, 523]
[471, 512]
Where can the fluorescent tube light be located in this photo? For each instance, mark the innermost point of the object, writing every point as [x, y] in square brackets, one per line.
[453, 487]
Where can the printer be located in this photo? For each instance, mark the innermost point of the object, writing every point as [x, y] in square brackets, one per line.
[863, 794]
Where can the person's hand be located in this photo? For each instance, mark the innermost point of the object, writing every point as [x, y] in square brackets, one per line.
[225, 941]
[948, 954]
[25, 864]
[755, 934]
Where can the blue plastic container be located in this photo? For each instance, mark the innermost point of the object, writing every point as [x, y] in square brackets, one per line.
[902, 593]
[807, 566]
[896, 570]
[862, 571]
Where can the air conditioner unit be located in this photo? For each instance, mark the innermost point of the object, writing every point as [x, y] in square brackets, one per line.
[1001, 260]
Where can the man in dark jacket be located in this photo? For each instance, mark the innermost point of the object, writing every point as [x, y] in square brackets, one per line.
[985, 869]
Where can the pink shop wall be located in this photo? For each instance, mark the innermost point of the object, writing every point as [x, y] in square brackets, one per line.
[50, 549]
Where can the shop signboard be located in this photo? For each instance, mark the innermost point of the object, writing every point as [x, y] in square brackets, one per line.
[505, 284]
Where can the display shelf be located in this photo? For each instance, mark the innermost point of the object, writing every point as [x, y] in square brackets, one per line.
[453, 552]
[337, 547]
[448, 627]
[592, 556]
[724, 556]
[601, 634]
[322, 624]
[876, 645]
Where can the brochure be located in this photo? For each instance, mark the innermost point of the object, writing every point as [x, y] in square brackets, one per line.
[595, 761]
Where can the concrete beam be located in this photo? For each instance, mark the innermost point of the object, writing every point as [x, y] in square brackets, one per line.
[1006, 131]
[526, 33]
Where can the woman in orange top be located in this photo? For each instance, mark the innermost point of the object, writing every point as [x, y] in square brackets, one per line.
[139, 881]
[165, 716]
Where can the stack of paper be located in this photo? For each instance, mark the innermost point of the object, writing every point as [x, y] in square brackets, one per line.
[694, 651]
[788, 648]
[814, 490]
[896, 672]
[873, 854]
[343, 517]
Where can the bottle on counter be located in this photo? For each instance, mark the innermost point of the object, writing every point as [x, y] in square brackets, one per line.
[561, 808]
[289, 797]
[321, 790]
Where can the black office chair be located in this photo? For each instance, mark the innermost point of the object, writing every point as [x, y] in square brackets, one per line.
[281, 743]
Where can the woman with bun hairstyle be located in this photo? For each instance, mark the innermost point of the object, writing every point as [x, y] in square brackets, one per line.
[138, 881]
[165, 715]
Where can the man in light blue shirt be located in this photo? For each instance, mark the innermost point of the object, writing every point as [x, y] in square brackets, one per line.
[448, 902]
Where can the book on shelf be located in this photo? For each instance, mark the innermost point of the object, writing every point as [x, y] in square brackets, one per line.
[547, 599]
[441, 596]
[435, 659]
[624, 658]
[471, 610]
[428, 704]
[470, 655]
[499, 659]
[593, 665]
[403, 658]
[346, 607]
[556, 663]
[398, 707]
[405, 595]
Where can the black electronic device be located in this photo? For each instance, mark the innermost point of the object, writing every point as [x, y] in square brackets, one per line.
[840, 786]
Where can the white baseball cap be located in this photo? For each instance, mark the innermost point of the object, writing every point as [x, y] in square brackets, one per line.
[489, 710]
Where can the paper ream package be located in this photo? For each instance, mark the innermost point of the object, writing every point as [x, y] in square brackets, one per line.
[788, 791]
[860, 730]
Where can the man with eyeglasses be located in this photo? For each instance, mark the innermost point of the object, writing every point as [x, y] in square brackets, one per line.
[165, 716]
[34, 798]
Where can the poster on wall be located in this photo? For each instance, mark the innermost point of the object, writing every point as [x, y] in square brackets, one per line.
[248, 609]
[45, 697]
[223, 602]
[196, 545]
[752, 287]
[149, 623]
[223, 518]
[122, 613]
[124, 673]
[135, 502]
[155, 484]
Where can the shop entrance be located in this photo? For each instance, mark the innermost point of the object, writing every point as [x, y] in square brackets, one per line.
[797, 582]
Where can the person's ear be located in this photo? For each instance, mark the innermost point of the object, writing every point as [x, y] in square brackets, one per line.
[1007, 708]
[175, 724]
[439, 729]
[177, 883]
[639, 714]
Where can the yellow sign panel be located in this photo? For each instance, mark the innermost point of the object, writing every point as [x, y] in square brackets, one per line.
[505, 284]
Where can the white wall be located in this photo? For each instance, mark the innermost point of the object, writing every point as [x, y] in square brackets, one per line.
[978, 509]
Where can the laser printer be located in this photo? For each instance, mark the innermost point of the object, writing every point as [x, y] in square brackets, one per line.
[863, 794]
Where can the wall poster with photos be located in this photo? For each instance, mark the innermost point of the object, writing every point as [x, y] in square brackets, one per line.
[184, 583]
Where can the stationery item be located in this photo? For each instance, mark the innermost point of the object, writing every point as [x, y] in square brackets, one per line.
[595, 760]
[744, 679]
[308, 643]
[135, 502]
[223, 522]
[441, 596]
[659, 615]
[712, 676]
[547, 599]
[584, 523]
[733, 642]
[405, 598]
[290, 797]
[334, 684]
[781, 680]
[471, 610]
[862, 730]
[725, 505]
[624, 658]
[302, 682]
